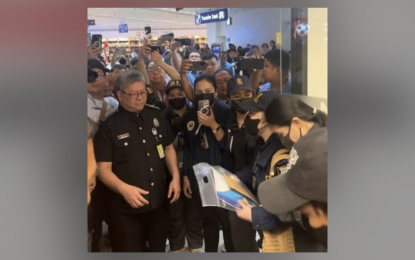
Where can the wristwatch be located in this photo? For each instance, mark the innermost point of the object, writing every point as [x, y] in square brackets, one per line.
[216, 129]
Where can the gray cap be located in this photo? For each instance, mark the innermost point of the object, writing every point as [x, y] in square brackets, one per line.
[305, 179]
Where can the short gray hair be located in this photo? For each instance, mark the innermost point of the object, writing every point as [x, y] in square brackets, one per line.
[128, 77]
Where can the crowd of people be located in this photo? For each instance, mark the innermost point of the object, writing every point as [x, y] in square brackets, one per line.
[146, 131]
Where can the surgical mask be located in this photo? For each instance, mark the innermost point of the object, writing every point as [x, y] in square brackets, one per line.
[286, 140]
[151, 98]
[235, 105]
[251, 125]
[177, 103]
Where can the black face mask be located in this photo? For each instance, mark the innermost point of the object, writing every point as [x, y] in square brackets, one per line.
[151, 99]
[235, 105]
[251, 125]
[286, 140]
[208, 96]
[177, 103]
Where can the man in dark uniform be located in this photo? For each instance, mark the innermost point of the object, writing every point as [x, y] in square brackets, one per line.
[133, 147]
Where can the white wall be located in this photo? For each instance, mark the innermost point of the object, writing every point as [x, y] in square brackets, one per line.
[133, 33]
[253, 26]
[317, 53]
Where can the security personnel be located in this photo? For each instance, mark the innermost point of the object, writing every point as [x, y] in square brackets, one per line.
[174, 115]
[133, 147]
[270, 162]
[239, 157]
[203, 134]
[153, 100]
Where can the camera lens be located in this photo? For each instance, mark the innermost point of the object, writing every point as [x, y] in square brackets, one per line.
[205, 110]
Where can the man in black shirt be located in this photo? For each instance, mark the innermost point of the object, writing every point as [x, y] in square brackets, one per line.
[133, 147]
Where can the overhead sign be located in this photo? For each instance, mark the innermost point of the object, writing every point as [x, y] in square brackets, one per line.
[212, 16]
[123, 28]
[91, 22]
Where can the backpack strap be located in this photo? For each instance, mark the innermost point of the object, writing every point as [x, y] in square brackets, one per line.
[103, 111]
[282, 238]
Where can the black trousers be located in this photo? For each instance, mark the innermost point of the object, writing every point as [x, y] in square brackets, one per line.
[176, 226]
[97, 213]
[130, 232]
[243, 234]
[203, 223]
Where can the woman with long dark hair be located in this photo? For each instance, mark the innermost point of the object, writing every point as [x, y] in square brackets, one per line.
[303, 184]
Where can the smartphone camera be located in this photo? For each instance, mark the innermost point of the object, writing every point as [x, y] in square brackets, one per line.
[204, 107]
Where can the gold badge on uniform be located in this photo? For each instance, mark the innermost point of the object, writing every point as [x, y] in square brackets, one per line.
[154, 131]
[156, 122]
[149, 90]
[239, 81]
[190, 125]
[257, 97]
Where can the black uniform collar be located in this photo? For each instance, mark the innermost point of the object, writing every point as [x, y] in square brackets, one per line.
[268, 150]
[130, 114]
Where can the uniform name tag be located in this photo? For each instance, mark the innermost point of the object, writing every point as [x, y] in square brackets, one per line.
[160, 150]
[123, 136]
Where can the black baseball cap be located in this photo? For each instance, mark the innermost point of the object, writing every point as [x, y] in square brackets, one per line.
[96, 64]
[305, 178]
[238, 83]
[174, 84]
[258, 103]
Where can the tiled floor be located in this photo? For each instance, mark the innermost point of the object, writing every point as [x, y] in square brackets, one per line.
[105, 245]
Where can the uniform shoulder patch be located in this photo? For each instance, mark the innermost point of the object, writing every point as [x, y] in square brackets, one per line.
[153, 107]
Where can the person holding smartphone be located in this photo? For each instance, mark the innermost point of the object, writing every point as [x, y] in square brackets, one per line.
[203, 134]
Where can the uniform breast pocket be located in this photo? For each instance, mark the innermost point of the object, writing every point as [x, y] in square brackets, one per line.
[121, 150]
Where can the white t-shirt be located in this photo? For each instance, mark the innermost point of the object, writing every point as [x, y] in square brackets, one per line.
[95, 106]
[112, 102]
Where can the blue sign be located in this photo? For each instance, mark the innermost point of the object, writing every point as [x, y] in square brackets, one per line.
[216, 49]
[123, 28]
[212, 16]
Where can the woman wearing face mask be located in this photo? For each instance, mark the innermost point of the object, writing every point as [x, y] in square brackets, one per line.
[239, 157]
[271, 161]
[203, 132]
[174, 114]
[304, 130]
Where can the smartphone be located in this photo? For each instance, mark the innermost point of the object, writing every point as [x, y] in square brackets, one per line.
[198, 65]
[96, 39]
[204, 106]
[154, 48]
[167, 37]
[147, 30]
[249, 64]
[121, 51]
[184, 42]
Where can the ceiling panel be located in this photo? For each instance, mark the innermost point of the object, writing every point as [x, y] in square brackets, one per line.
[138, 18]
[108, 19]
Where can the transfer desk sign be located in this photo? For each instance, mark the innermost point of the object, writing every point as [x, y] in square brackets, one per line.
[212, 16]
